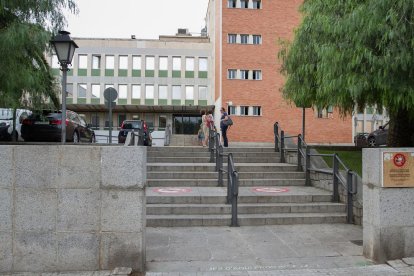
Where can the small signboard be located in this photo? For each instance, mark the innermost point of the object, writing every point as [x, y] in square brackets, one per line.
[397, 169]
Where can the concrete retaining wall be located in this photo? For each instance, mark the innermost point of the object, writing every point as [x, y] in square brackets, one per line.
[72, 208]
[388, 212]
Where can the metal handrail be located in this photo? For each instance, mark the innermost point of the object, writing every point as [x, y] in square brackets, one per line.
[303, 151]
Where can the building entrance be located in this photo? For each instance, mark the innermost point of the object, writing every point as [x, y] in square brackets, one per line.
[186, 124]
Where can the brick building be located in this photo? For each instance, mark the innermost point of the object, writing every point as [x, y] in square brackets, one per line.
[246, 35]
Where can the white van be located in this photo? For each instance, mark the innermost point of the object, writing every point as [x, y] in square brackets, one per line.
[6, 123]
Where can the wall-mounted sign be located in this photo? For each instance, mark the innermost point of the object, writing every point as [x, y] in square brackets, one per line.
[397, 169]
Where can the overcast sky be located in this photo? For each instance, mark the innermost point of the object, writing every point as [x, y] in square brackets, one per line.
[143, 18]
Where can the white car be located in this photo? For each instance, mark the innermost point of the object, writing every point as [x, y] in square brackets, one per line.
[6, 123]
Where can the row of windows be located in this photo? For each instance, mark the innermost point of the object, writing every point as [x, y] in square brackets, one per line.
[244, 110]
[244, 39]
[136, 93]
[244, 4]
[234, 74]
[136, 62]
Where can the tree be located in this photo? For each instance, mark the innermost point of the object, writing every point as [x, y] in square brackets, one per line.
[355, 53]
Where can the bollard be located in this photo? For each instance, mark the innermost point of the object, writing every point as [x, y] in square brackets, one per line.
[276, 132]
[350, 198]
[282, 147]
[335, 197]
[307, 172]
[235, 194]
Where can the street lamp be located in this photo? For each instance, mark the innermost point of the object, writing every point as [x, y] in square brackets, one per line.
[64, 49]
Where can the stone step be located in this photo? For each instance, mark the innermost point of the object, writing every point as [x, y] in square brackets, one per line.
[201, 149]
[206, 154]
[213, 175]
[210, 167]
[244, 219]
[214, 182]
[257, 159]
[244, 208]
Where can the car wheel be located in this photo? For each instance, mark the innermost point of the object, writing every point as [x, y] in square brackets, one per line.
[371, 142]
[93, 139]
[75, 137]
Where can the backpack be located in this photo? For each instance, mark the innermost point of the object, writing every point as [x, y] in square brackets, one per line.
[228, 122]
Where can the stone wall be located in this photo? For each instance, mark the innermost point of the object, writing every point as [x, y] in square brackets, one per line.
[72, 208]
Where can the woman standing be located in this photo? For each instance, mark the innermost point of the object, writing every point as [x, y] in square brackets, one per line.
[204, 126]
[224, 127]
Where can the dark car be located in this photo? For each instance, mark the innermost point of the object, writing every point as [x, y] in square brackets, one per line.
[378, 137]
[361, 140]
[40, 128]
[134, 126]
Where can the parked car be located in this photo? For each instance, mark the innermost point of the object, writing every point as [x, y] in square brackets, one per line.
[39, 128]
[136, 126]
[6, 123]
[361, 139]
[378, 137]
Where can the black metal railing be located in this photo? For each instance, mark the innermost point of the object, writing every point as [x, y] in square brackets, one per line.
[304, 156]
[217, 155]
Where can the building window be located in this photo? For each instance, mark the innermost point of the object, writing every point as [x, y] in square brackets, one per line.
[109, 62]
[163, 92]
[163, 63]
[232, 38]
[189, 64]
[149, 63]
[123, 62]
[202, 64]
[244, 110]
[69, 90]
[96, 62]
[244, 4]
[123, 91]
[231, 74]
[244, 39]
[176, 92]
[231, 110]
[136, 63]
[244, 74]
[55, 62]
[149, 92]
[82, 87]
[257, 4]
[257, 111]
[257, 39]
[83, 61]
[136, 91]
[257, 74]
[96, 91]
[202, 92]
[177, 63]
[231, 3]
[189, 92]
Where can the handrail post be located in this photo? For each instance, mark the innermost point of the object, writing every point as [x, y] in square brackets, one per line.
[220, 166]
[335, 197]
[217, 145]
[235, 194]
[276, 132]
[307, 172]
[229, 180]
[350, 199]
[282, 147]
[211, 144]
[300, 168]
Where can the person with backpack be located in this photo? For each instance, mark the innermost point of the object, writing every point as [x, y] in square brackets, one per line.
[225, 122]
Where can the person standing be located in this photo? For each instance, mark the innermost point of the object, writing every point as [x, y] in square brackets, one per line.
[224, 126]
[204, 126]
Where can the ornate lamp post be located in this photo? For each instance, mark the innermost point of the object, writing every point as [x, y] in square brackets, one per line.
[64, 49]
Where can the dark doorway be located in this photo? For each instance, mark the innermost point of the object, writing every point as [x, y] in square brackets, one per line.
[186, 124]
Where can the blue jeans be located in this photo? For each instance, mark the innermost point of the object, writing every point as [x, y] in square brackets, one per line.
[224, 134]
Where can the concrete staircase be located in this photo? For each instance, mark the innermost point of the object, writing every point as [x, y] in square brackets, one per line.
[182, 190]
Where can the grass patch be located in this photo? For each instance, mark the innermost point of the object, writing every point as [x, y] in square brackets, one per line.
[352, 159]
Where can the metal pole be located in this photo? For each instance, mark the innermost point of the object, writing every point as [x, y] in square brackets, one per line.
[211, 145]
[335, 179]
[235, 194]
[300, 153]
[220, 166]
[217, 142]
[110, 122]
[350, 199]
[282, 147]
[229, 181]
[276, 132]
[307, 173]
[63, 124]
[303, 123]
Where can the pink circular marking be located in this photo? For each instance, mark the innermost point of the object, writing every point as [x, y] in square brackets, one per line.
[270, 190]
[169, 190]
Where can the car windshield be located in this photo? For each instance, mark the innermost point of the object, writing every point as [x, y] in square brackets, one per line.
[131, 124]
[6, 114]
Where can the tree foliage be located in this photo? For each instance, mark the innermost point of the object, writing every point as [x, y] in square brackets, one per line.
[26, 26]
[350, 53]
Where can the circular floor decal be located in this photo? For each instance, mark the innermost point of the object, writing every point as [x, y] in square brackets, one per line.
[172, 190]
[270, 190]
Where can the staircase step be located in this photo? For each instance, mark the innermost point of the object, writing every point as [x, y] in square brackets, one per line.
[201, 149]
[213, 175]
[244, 208]
[214, 182]
[257, 159]
[244, 219]
[206, 154]
[210, 167]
